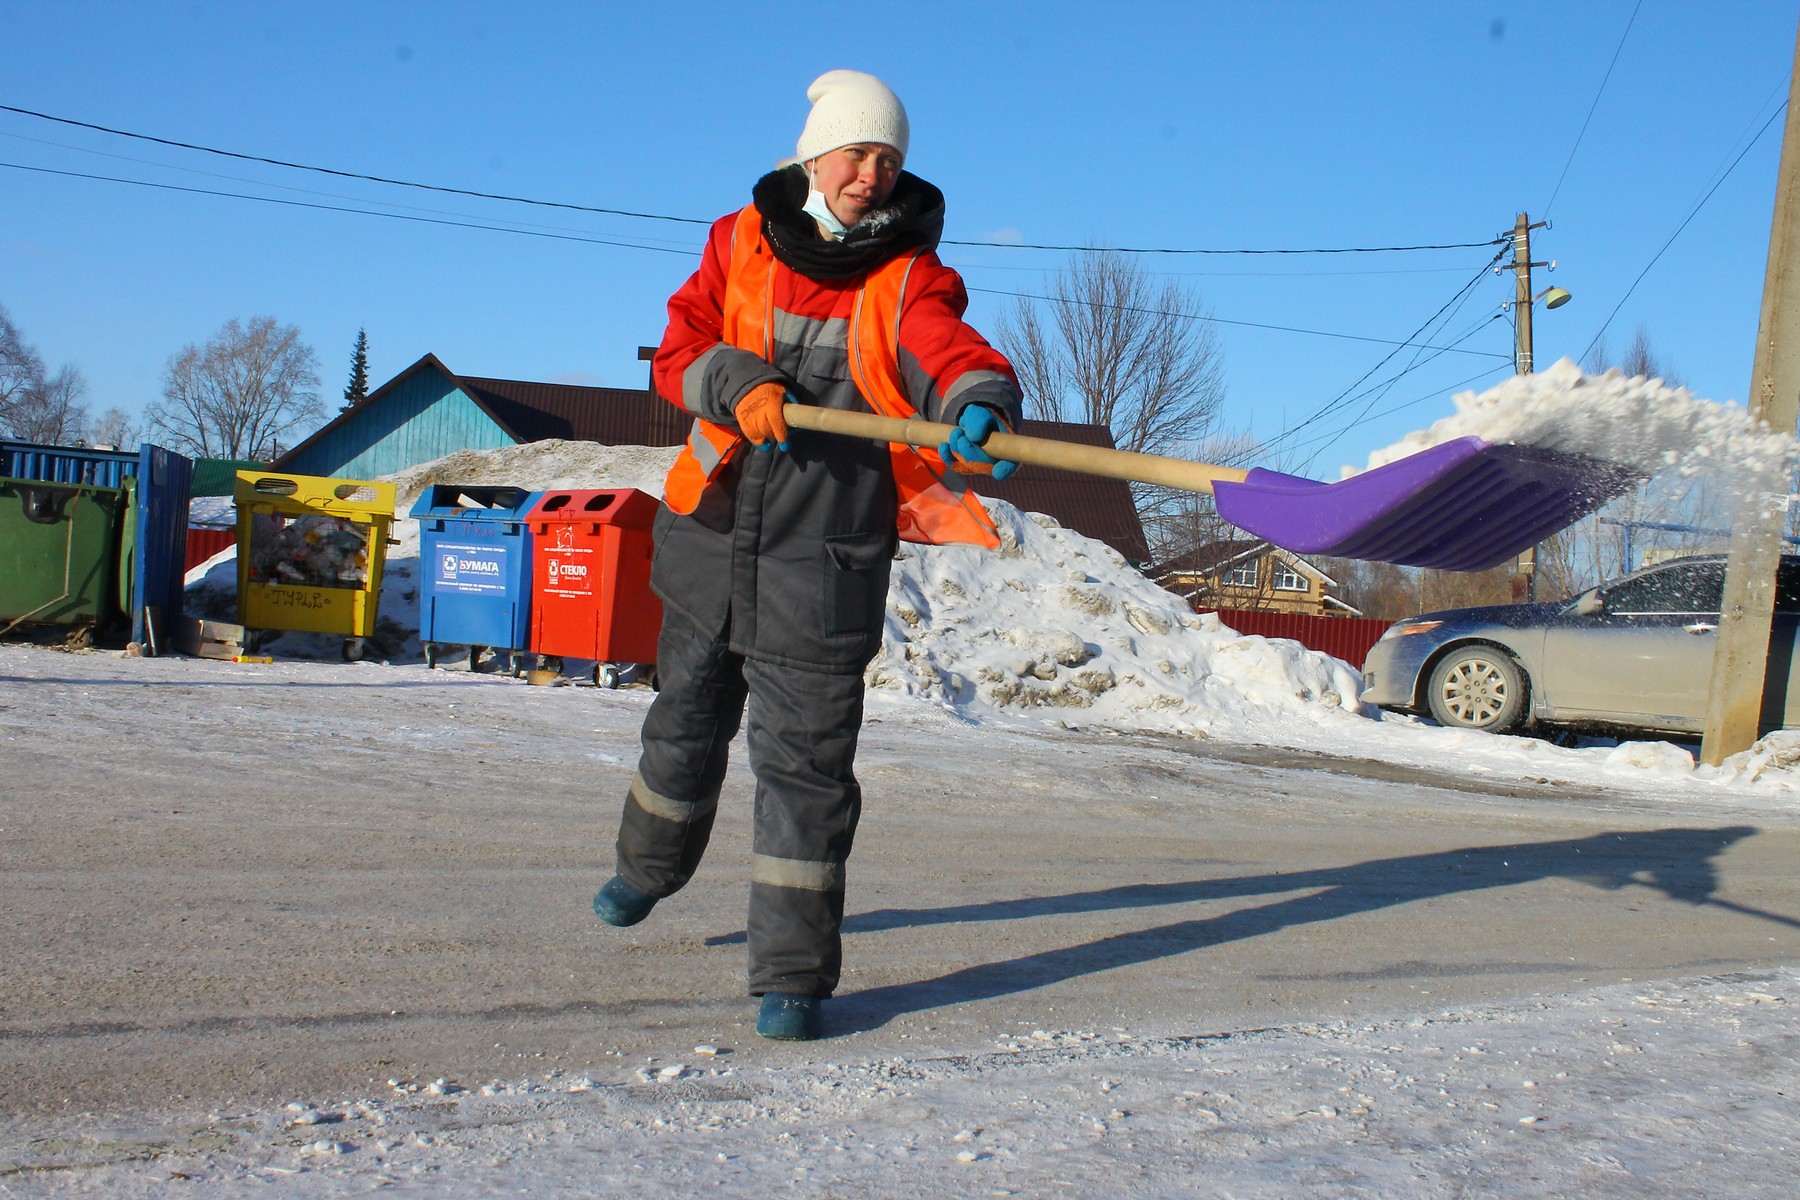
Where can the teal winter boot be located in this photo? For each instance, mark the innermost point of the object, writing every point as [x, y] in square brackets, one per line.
[621, 904]
[789, 1018]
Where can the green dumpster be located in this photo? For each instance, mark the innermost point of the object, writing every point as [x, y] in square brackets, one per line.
[59, 555]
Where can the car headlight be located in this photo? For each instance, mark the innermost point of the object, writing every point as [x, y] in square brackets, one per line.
[1408, 628]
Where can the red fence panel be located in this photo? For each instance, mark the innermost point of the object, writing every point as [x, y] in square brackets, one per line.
[202, 544]
[1348, 638]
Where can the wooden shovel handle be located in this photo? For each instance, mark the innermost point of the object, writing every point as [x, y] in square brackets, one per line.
[1042, 452]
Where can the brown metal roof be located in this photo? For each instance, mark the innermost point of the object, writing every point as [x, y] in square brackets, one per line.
[1099, 508]
[610, 416]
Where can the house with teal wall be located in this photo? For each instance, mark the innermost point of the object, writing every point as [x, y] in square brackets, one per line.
[428, 411]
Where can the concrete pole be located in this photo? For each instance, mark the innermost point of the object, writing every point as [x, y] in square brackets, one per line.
[1741, 654]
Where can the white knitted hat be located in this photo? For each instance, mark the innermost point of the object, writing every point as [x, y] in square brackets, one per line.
[850, 107]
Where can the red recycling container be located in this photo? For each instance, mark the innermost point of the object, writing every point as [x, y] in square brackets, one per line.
[590, 578]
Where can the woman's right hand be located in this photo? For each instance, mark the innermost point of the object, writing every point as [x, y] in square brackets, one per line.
[759, 416]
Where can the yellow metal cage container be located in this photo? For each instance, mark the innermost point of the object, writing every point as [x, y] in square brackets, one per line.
[309, 554]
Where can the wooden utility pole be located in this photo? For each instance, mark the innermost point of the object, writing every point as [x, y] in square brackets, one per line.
[1522, 295]
[1741, 655]
[1525, 569]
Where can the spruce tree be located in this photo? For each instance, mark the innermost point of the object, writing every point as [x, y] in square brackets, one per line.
[358, 389]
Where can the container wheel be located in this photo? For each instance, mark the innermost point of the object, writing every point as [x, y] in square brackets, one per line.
[80, 638]
[550, 662]
[655, 679]
[515, 664]
[431, 655]
[353, 649]
[606, 675]
[475, 657]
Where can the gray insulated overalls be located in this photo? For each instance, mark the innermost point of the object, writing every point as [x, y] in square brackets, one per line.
[774, 588]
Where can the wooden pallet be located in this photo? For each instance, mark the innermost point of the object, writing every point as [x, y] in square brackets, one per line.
[209, 639]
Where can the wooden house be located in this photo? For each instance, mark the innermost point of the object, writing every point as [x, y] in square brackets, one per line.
[1251, 576]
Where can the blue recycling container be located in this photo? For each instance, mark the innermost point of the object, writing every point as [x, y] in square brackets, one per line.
[475, 571]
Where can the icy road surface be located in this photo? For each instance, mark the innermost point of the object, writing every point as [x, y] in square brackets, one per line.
[317, 929]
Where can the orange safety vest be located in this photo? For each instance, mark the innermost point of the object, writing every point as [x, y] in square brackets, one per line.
[934, 506]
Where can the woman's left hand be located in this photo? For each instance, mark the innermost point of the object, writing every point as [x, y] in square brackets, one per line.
[963, 451]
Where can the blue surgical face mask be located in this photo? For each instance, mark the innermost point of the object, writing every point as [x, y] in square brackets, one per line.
[816, 208]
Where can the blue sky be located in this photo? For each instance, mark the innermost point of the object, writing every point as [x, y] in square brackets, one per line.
[1272, 125]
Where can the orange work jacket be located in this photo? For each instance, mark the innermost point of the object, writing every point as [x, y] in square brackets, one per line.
[934, 507]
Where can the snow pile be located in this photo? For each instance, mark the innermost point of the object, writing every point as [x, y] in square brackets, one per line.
[552, 465]
[1771, 760]
[1057, 624]
[1642, 423]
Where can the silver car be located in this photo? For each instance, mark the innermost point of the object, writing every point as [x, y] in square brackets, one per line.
[1633, 654]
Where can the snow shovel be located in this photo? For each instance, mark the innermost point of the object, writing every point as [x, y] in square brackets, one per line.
[1463, 505]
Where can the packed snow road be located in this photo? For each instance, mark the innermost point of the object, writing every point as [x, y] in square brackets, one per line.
[232, 887]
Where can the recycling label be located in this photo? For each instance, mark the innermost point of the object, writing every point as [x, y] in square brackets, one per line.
[568, 571]
[481, 570]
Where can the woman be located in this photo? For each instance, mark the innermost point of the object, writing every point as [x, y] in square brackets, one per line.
[772, 563]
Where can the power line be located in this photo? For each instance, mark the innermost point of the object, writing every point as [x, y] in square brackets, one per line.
[1694, 212]
[285, 187]
[568, 237]
[1158, 312]
[619, 212]
[276, 162]
[1159, 250]
[1240, 274]
[1433, 394]
[1592, 107]
[1379, 390]
[366, 212]
[1337, 401]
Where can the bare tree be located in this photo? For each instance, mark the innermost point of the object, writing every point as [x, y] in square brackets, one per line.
[1379, 590]
[1110, 347]
[1177, 522]
[1118, 351]
[36, 407]
[21, 370]
[115, 427]
[1464, 589]
[51, 411]
[241, 395]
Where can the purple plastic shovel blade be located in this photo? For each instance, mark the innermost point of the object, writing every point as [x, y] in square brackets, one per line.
[1464, 505]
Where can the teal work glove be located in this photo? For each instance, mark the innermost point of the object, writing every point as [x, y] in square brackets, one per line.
[963, 451]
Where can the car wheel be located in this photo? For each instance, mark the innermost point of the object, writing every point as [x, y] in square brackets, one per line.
[1477, 687]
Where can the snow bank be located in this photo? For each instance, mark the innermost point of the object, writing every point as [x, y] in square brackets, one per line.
[1640, 422]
